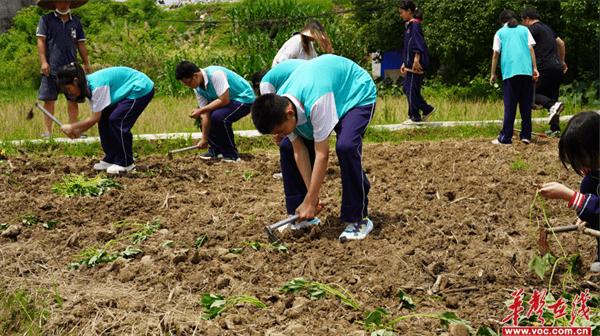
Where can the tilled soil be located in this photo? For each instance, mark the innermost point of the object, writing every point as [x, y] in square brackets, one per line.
[455, 209]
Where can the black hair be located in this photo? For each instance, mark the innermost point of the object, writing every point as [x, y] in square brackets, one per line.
[257, 78]
[185, 69]
[408, 5]
[510, 17]
[268, 111]
[67, 74]
[578, 146]
[530, 13]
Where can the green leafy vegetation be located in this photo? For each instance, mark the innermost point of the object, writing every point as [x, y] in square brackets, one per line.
[3, 226]
[541, 265]
[405, 300]
[215, 304]
[22, 312]
[93, 256]
[79, 185]
[145, 231]
[33, 219]
[519, 164]
[201, 240]
[317, 290]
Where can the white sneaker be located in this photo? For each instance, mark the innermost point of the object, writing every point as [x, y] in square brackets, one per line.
[595, 267]
[116, 169]
[555, 111]
[305, 224]
[497, 142]
[526, 141]
[358, 230]
[102, 165]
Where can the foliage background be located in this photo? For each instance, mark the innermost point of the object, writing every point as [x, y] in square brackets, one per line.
[245, 36]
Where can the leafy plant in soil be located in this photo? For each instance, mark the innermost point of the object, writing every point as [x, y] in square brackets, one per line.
[79, 185]
[378, 323]
[201, 240]
[317, 290]
[146, 231]
[215, 304]
[3, 226]
[92, 256]
[30, 220]
[405, 300]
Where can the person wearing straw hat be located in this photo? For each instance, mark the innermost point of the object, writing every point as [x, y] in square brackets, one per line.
[59, 37]
[300, 45]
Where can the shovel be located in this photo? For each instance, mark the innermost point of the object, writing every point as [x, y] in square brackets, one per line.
[185, 149]
[271, 229]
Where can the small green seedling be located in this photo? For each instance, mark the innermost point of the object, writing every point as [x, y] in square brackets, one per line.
[31, 220]
[79, 185]
[201, 240]
[3, 226]
[49, 225]
[249, 174]
[167, 244]
[215, 304]
[130, 252]
[236, 250]
[146, 231]
[256, 246]
[317, 290]
[519, 164]
[405, 300]
[92, 256]
[279, 247]
[541, 265]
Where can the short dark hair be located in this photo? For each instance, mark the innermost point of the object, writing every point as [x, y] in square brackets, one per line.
[530, 13]
[510, 17]
[66, 75]
[268, 111]
[185, 69]
[257, 78]
[578, 145]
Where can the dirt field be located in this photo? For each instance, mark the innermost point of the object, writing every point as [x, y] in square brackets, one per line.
[456, 209]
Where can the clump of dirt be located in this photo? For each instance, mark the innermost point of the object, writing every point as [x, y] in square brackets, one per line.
[450, 213]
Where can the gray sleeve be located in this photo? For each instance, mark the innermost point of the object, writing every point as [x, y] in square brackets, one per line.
[41, 30]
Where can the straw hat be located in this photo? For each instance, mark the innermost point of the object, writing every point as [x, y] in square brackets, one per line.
[50, 4]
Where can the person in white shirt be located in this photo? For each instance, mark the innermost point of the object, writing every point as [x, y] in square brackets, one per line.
[301, 45]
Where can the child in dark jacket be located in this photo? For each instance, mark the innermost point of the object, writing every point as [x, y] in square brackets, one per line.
[415, 59]
[579, 148]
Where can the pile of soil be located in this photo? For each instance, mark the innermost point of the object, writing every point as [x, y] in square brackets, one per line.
[455, 209]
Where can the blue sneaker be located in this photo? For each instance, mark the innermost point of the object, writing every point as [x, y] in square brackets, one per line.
[305, 223]
[357, 230]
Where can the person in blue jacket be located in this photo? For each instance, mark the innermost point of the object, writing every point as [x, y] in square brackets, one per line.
[118, 96]
[415, 59]
[224, 97]
[271, 80]
[579, 147]
[326, 94]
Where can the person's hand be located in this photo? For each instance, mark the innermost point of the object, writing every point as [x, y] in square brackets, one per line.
[278, 138]
[196, 113]
[536, 74]
[403, 70]
[203, 143]
[69, 131]
[492, 79]
[555, 190]
[565, 68]
[308, 210]
[87, 69]
[45, 69]
[417, 68]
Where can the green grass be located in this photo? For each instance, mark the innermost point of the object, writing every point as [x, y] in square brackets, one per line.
[170, 114]
[22, 312]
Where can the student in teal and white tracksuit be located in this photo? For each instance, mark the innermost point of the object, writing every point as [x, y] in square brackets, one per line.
[270, 81]
[224, 97]
[328, 93]
[513, 44]
[118, 96]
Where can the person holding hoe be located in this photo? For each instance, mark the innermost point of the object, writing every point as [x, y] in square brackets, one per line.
[224, 97]
[328, 93]
[59, 37]
[118, 96]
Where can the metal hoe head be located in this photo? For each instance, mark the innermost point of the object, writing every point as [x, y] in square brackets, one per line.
[271, 229]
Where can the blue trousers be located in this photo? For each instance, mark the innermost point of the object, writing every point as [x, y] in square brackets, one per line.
[412, 88]
[355, 184]
[221, 139]
[518, 90]
[115, 129]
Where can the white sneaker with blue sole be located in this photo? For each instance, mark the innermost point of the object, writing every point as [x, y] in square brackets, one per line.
[357, 230]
